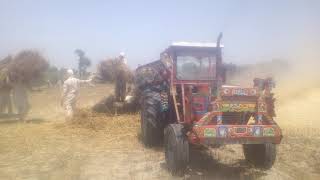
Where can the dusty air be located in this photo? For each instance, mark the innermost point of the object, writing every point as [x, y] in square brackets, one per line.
[126, 90]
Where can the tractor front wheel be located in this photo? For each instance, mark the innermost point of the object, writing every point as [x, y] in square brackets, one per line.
[176, 148]
[151, 131]
[260, 155]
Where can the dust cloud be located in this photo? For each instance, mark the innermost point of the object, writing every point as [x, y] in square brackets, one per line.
[109, 147]
[297, 89]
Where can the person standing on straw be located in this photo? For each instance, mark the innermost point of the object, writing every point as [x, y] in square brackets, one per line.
[20, 99]
[121, 78]
[5, 91]
[5, 99]
[70, 93]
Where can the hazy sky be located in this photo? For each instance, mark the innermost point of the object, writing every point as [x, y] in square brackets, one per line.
[253, 30]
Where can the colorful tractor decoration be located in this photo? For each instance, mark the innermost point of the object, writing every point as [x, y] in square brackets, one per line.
[185, 101]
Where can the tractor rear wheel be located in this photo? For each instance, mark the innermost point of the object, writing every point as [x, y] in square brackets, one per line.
[176, 148]
[151, 131]
[260, 155]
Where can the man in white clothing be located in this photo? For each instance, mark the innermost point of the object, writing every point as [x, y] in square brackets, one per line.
[70, 93]
[122, 58]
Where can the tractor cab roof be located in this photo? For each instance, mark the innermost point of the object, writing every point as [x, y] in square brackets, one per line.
[208, 47]
[195, 44]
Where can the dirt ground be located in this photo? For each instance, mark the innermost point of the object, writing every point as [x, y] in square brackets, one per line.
[108, 147]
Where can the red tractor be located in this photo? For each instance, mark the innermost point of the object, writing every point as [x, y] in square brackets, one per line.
[185, 101]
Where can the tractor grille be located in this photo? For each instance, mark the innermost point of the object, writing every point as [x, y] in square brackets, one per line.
[235, 118]
[240, 98]
[231, 117]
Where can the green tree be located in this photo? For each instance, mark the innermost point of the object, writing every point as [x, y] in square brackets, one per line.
[83, 62]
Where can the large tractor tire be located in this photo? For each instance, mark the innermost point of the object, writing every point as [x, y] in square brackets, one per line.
[176, 149]
[260, 155]
[151, 130]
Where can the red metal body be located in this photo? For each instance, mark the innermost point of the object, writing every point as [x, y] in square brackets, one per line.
[218, 114]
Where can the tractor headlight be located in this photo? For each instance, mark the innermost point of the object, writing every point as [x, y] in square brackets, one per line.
[268, 131]
[257, 131]
[223, 131]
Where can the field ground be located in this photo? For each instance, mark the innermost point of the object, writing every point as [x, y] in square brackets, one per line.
[108, 147]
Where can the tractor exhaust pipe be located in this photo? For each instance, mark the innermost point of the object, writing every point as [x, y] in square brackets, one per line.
[219, 39]
[219, 73]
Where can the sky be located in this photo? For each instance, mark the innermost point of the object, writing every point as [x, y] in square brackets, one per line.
[254, 30]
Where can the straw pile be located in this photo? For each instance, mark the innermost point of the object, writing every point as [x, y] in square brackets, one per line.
[111, 69]
[24, 67]
[109, 106]
[86, 118]
[105, 105]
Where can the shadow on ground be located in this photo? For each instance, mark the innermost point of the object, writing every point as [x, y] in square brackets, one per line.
[203, 165]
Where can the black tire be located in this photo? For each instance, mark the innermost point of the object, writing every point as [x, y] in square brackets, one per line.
[260, 155]
[176, 149]
[151, 131]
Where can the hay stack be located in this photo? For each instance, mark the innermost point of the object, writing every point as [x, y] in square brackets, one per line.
[106, 71]
[24, 67]
[109, 70]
